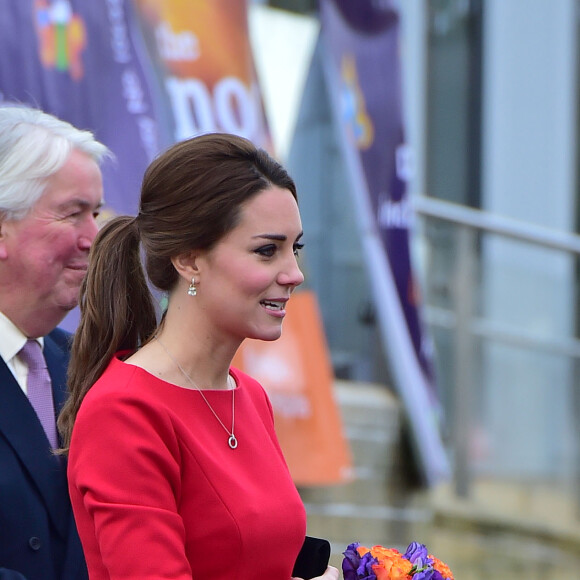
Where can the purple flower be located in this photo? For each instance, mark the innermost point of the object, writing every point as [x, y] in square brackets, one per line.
[417, 554]
[365, 568]
[356, 568]
[348, 572]
[350, 562]
[426, 574]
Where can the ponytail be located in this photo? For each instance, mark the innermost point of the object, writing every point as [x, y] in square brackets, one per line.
[117, 313]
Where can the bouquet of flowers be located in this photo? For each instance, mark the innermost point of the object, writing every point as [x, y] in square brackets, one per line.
[378, 563]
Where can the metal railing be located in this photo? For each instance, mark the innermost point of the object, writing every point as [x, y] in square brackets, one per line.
[462, 319]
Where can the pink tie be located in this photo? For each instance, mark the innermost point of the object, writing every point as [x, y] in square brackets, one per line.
[39, 388]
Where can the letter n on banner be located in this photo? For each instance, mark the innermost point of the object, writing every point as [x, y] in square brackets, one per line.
[296, 372]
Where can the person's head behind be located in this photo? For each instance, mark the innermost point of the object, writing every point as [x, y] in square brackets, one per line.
[192, 196]
[50, 193]
[34, 145]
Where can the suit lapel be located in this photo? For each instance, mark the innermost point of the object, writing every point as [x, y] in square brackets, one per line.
[23, 431]
[56, 361]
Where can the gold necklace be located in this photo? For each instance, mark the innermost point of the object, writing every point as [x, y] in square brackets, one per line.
[232, 441]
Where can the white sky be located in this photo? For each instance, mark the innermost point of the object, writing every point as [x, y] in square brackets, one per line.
[283, 43]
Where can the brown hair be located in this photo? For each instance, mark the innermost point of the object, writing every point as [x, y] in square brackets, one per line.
[190, 198]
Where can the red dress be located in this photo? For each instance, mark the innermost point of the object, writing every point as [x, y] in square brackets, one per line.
[158, 493]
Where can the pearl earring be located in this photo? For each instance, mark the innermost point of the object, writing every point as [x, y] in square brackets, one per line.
[192, 290]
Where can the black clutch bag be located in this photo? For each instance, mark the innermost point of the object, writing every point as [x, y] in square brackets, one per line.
[312, 559]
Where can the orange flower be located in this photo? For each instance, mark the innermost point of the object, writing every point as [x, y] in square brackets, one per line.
[391, 571]
[441, 567]
[391, 564]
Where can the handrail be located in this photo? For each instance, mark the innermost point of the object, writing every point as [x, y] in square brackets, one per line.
[466, 325]
[567, 346]
[497, 224]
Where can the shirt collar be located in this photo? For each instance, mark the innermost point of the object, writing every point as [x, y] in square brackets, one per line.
[12, 338]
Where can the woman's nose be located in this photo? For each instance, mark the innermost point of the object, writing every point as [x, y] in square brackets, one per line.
[293, 276]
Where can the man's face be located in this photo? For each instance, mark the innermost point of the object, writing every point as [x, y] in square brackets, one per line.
[44, 256]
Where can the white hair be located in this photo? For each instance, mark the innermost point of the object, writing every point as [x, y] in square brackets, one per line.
[33, 146]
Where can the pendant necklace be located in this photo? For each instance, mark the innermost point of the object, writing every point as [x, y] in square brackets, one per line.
[232, 441]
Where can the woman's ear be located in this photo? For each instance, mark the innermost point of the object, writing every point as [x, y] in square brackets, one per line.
[186, 266]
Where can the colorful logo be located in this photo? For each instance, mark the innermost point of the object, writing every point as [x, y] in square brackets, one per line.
[61, 36]
[353, 106]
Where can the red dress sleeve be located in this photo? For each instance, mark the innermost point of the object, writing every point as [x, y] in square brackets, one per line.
[127, 479]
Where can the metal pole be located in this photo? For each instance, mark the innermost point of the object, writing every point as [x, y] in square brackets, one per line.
[464, 288]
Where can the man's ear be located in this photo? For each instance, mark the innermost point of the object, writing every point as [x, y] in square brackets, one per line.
[3, 249]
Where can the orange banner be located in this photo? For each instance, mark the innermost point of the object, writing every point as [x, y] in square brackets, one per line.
[297, 374]
[204, 60]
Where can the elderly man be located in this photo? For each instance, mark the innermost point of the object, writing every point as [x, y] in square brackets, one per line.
[50, 193]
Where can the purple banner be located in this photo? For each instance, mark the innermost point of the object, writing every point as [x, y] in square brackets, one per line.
[140, 74]
[362, 68]
[79, 61]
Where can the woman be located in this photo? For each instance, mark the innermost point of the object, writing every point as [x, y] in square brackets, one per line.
[174, 467]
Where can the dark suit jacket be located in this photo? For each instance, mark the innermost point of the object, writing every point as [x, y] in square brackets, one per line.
[38, 537]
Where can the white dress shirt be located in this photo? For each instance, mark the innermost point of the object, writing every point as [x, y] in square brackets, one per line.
[11, 342]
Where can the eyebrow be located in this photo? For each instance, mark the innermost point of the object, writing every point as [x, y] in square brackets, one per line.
[278, 237]
[81, 203]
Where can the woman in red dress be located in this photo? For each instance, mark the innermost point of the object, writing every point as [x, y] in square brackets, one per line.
[174, 466]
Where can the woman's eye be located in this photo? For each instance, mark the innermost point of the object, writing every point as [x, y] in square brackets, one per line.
[266, 251]
[297, 247]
